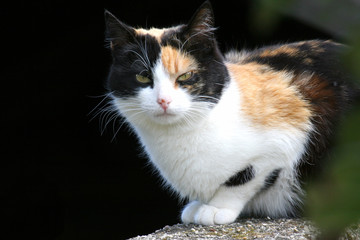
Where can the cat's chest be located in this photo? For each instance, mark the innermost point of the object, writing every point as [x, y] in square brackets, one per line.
[172, 148]
[195, 162]
[186, 161]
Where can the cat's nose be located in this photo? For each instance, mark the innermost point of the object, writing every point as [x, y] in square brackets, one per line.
[164, 102]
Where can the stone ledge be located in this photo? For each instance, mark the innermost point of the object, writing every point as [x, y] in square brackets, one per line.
[280, 229]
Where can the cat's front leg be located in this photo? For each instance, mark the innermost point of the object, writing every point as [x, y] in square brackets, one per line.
[228, 201]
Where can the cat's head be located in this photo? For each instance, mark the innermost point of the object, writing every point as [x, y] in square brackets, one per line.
[166, 75]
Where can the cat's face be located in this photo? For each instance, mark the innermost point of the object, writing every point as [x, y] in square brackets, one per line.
[166, 75]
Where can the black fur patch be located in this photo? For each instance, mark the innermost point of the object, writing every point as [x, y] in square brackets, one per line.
[241, 177]
[135, 57]
[271, 179]
[312, 56]
[132, 54]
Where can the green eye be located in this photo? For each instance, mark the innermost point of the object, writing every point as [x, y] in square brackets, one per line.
[142, 79]
[185, 76]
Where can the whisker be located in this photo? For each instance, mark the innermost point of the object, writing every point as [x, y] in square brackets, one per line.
[105, 96]
[108, 112]
[100, 111]
[206, 33]
[118, 129]
[124, 121]
[207, 97]
[112, 117]
[221, 63]
[104, 120]
[141, 59]
[144, 51]
[113, 138]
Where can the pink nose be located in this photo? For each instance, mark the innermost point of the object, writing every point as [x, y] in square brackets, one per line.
[164, 103]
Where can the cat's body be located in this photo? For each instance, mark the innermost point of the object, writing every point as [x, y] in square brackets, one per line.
[230, 133]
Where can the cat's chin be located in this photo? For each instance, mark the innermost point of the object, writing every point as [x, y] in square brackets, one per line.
[166, 118]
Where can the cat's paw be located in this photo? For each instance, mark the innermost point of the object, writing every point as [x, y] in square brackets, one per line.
[196, 212]
[209, 215]
[225, 216]
[188, 213]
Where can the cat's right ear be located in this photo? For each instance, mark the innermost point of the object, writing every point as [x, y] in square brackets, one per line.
[117, 33]
[201, 25]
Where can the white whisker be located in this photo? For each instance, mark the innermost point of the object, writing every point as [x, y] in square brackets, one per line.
[104, 96]
[105, 119]
[145, 52]
[207, 32]
[141, 59]
[101, 111]
[221, 63]
[108, 112]
[111, 117]
[207, 97]
[113, 138]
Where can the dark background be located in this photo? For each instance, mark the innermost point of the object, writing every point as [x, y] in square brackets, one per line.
[60, 178]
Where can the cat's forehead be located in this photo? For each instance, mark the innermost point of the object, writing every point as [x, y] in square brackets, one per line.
[175, 60]
[154, 32]
[160, 34]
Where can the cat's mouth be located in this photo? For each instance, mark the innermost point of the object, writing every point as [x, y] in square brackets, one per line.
[165, 114]
[166, 117]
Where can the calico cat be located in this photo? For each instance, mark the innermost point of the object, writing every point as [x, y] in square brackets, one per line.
[231, 133]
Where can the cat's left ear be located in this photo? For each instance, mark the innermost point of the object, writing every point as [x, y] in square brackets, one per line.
[117, 32]
[201, 25]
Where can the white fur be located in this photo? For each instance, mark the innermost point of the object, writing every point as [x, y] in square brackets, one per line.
[197, 148]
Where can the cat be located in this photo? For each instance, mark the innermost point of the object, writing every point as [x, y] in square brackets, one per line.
[231, 133]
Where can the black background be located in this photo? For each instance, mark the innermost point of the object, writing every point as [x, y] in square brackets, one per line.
[60, 178]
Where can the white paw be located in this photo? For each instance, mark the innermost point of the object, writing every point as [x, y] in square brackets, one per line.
[225, 216]
[203, 214]
[188, 213]
[206, 215]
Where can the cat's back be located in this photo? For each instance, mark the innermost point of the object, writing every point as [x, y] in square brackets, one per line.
[300, 85]
[305, 78]
[314, 55]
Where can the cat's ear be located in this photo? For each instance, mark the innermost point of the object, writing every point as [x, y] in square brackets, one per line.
[201, 25]
[117, 33]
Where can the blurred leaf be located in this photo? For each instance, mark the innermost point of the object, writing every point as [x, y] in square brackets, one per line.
[334, 202]
[352, 56]
[337, 17]
[265, 15]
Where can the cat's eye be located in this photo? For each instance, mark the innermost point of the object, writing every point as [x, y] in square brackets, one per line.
[142, 79]
[185, 76]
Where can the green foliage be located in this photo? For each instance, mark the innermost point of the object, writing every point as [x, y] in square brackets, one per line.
[352, 56]
[265, 15]
[333, 201]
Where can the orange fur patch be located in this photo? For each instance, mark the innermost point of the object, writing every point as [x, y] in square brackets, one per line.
[286, 49]
[268, 98]
[176, 62]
